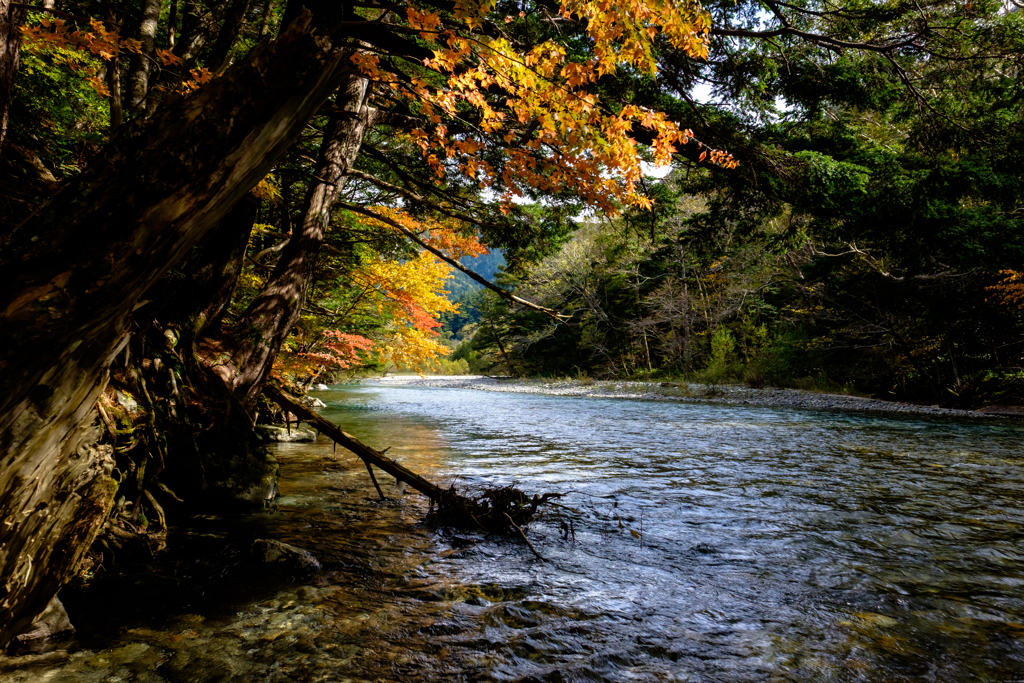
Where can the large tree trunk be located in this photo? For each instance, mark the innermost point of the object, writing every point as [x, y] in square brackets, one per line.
[11, 18]
[254, 342]
[75, 271]
[115, 99]
[138, 78]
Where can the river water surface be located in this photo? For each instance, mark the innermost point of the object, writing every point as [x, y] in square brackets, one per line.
[697, 543]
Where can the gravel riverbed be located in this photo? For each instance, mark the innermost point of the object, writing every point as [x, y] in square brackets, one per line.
[695, 393]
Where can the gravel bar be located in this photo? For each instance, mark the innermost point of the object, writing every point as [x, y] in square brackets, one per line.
[693, 393]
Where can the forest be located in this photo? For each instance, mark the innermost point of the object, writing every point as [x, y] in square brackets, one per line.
[203, 200]
[869, 241]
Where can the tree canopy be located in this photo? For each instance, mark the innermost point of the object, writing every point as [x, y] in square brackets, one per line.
[870, 236]
[242, 180]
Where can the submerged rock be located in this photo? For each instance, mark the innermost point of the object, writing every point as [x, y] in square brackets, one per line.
[269, 551]
[276, 433]
[253, 479]
[53, 621]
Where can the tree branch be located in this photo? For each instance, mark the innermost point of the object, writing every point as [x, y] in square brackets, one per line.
[815, 38]
[409, 234]
[409, 194]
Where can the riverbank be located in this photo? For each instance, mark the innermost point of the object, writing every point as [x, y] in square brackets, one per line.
[670, 391]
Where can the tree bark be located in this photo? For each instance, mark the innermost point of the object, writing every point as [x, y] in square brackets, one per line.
[138, 78]
[73, 273]
[265, 19]
[256, 339]
[172, 23]
[198, 295]
[11, 18]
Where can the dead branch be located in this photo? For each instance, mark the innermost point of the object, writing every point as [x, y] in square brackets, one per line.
[523, 535]
[872, 262]
[368, 455]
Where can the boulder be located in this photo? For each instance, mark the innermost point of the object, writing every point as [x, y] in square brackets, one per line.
[279, 434]
[243, 471]
[321, 387]
[260, 484]
[278, 554]
[53, 621]
[126, 400]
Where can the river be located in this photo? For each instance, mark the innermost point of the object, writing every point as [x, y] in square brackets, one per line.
[697, 542]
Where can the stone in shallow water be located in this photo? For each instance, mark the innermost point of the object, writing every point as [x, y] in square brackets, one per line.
[22, 669]
[53, 621]
[274, 433]
[277, 553]
[1002, 411]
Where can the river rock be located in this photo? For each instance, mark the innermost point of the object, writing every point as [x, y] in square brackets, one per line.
[248, 475]
[53, 621]
[127, 401]
[276, 433]
[269, 551]
[263, 488]
[313, 402]
[321, 387]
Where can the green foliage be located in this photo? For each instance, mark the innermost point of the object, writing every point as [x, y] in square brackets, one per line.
[781, 360]
[448, 366]
[723, 346]
[828, 187]
[55, 112]
[474, 352]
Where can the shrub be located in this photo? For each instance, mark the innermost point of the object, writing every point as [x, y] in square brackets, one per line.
[723, 347]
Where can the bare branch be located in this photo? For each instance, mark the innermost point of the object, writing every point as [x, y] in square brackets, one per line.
[873, 263]
[271, 250]
[419, 199]
[815, 38]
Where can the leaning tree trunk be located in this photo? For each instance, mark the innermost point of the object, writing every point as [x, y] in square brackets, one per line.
[254, 342]
[74, 273]
[11, 18]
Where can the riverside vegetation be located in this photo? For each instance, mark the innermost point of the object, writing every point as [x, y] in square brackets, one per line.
[200, 201]
[870, 242]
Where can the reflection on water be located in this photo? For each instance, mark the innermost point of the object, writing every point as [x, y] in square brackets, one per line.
[707, 543]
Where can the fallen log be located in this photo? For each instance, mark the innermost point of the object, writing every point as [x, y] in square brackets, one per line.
[368, 455]
[493, 510]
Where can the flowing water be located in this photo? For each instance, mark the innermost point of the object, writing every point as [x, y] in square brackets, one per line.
[697, 543]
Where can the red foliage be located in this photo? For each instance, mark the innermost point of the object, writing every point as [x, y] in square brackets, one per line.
[340, 349]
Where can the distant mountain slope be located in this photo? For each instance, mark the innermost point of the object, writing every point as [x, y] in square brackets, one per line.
[466, 292]
[486, 266]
